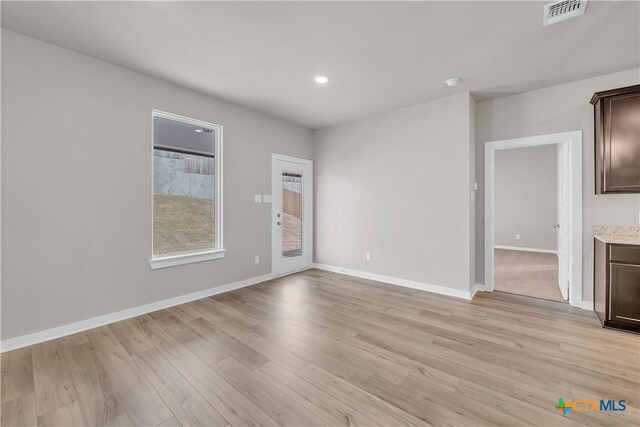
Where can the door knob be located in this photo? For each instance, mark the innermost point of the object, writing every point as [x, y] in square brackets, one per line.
[556, 225]
[279, 223]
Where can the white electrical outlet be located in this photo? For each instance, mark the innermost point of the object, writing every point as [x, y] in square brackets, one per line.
[517, 237]
[257, 259]
[368, 256]
[257, 198]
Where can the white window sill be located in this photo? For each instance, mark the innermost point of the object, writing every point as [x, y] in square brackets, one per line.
[190, 258]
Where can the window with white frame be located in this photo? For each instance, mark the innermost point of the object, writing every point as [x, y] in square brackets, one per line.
[187, 190]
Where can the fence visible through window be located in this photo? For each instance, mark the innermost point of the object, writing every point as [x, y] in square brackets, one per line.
[192, 163]
[292, 215]
[184, 186]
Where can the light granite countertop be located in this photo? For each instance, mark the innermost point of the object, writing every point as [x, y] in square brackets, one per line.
[620, 234]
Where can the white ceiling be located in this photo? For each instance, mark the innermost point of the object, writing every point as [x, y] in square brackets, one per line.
[378, 55]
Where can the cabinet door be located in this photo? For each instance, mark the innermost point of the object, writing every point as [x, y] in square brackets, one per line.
[624, 283]
[621, 166]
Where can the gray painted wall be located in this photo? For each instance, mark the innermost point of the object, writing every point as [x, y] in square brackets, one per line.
[76, 187]
[398, 185]
[526, 197]
[554, 109]
[76, 229]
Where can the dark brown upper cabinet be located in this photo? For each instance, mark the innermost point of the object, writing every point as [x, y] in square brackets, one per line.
[617, 140]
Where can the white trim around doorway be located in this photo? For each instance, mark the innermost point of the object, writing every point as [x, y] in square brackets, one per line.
[574, 142]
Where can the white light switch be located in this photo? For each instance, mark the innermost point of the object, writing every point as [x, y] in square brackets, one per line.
[257, 198]
[266, 198]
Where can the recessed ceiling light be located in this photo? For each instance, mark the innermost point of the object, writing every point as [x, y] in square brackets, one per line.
[199, 130]
[453, 81]
[321, 79]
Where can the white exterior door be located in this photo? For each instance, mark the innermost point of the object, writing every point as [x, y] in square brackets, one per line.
[563, 219]
[292, 210]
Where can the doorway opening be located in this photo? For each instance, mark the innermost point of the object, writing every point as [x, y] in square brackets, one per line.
[533, 216]
[292, 214]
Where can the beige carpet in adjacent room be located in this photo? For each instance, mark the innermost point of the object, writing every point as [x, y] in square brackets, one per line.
[530, 274]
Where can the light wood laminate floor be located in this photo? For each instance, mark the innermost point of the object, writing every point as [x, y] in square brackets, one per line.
[318, 348]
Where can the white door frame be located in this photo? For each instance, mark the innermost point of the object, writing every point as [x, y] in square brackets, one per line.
[307, 208]
[574, 141]
[563, 219]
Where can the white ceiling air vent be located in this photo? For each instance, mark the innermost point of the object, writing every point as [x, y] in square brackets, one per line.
[562, 10]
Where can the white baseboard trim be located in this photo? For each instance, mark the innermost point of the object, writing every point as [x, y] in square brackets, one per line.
[436, 289]
[479, 287]
[517, 248]
[83, 325]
